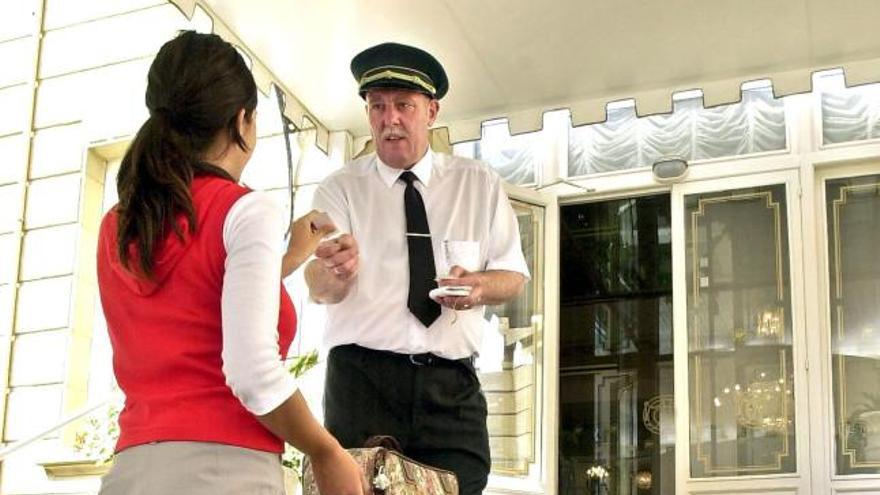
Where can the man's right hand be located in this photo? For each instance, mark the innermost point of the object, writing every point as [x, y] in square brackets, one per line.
[339, 257]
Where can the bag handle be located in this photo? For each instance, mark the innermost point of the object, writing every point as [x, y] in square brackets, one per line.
[385, 441]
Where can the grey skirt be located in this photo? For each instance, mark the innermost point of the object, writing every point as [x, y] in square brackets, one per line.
[193, 468]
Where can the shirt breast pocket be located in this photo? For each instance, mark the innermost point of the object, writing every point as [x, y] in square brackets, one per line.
[465, 254]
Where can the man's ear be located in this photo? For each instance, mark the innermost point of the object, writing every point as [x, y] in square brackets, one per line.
[433, 110]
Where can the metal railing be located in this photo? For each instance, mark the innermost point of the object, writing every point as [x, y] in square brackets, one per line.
[84, 411]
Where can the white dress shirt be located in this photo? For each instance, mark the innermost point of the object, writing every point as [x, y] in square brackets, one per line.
[249, 304]
[468, 212]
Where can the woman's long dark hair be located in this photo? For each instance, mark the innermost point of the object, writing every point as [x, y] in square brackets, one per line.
[196, 86]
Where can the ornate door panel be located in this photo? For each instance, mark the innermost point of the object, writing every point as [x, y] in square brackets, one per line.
[735, 307]
[849, 218]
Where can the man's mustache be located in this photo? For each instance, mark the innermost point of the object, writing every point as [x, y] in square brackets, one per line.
[394, 134]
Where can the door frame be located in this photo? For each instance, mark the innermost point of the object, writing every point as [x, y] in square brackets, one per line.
[825, 479]
[798, 482]
[542, 476]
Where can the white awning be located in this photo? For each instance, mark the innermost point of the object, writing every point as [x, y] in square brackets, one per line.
[517, 59]
[294, 110]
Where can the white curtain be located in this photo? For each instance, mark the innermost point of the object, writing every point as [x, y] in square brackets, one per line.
[625, 141]
[512, 156]
[849, 114]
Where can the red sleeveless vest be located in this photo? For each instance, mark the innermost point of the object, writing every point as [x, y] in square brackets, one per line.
[166, 333]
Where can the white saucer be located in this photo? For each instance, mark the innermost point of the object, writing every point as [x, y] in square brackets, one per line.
[449, 290]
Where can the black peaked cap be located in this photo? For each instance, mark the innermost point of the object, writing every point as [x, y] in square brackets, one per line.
[393, 65]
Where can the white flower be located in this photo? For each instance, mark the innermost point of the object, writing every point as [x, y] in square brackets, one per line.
[597, 473]
[381, 481]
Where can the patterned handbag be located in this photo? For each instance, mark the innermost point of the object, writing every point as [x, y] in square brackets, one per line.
[391, 473]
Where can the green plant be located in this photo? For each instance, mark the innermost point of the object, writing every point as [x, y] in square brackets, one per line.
[292, 458]
[98, 440]
[300, 364]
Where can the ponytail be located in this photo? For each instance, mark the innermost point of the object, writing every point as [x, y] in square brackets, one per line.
[197, 85]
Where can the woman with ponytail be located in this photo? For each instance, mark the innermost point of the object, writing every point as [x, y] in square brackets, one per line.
[190, 281]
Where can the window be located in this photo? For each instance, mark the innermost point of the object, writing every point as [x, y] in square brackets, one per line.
[848, 114]
[739, 330]
[853, 219]
[513, 157]
[624, 141]
[510, 361]
[101, 381]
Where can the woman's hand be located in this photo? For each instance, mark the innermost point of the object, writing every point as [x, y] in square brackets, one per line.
[305, 236]
[336, 472]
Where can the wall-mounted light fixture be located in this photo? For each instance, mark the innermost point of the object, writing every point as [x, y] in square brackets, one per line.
[669, 169]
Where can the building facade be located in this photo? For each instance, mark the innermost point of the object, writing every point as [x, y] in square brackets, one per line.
[718, 334]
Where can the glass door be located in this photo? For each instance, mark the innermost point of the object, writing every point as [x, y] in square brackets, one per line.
[739, 333]
[849, 221]
[616, 374]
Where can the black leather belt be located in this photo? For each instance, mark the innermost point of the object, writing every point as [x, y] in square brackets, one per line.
[423, 359]
[428, 359]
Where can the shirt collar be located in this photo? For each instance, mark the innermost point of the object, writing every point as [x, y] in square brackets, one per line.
[422, 169]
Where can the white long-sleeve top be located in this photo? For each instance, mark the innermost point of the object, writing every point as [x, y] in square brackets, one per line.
[251, 363]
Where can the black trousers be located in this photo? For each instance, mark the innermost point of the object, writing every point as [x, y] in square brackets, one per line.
[434, 407]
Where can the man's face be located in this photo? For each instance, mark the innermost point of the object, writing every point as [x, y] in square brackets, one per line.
[399, 122]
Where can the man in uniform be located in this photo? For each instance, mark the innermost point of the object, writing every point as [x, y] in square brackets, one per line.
[402, 362]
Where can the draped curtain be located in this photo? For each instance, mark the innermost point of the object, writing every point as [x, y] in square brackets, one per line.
[849, 114]
[624, 141]
[512, 156]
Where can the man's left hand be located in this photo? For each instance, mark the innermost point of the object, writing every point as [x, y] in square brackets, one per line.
[461, 277]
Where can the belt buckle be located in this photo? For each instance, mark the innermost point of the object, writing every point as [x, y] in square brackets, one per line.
[421, 359]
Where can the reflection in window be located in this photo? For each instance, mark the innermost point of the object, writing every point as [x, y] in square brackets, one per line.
[624, 141]
[848, 114]
[617, 424]
[509, 362]
[853, 216]
[513, 157]
[739, 333]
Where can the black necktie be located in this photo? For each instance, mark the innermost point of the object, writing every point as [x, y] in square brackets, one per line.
[421, 254]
